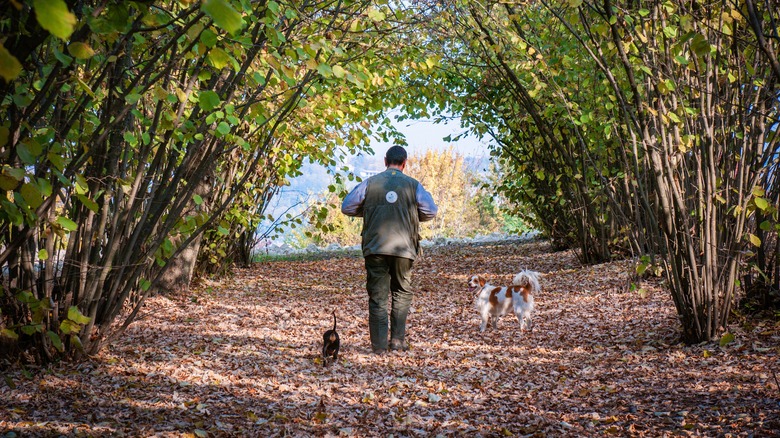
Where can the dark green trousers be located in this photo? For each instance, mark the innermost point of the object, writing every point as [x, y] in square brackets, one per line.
[388, 277]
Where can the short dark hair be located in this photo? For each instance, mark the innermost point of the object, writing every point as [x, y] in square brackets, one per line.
[395, 155]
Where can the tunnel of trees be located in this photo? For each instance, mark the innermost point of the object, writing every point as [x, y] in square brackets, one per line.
[142, 141]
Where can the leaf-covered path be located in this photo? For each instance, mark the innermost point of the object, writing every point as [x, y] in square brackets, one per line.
[241, 358]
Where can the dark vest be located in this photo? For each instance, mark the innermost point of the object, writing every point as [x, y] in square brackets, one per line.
[391, 225]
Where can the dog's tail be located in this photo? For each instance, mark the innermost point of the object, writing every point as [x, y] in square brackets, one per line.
[334, 320]
[529, 279]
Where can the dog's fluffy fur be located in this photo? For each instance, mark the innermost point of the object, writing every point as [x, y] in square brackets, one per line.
[492, 302]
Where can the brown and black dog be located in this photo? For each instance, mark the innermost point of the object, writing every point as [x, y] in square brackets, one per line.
[330, 343]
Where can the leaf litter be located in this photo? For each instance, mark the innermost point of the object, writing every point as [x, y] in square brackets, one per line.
[241, 357]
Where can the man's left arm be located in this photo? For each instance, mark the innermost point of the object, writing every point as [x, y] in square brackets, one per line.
[426, 207]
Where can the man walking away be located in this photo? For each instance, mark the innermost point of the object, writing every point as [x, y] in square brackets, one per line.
[392, 206]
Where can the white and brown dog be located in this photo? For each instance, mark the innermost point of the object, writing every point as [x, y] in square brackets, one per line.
[496, 301]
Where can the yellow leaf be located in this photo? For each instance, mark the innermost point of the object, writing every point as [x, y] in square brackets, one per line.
[223, 14]
[54, 16]
[218, 58]
[80, 50]
[339, 71]
[8, 333]
[726, 339]
[761, 203]
[85, 87]
[10, 67]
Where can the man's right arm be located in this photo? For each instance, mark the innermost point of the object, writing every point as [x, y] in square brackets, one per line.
[353, 202]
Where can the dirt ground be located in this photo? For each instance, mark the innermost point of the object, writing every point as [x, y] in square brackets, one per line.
[240, 357]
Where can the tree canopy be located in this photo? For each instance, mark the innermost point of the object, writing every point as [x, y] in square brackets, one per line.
[135, 128]
[141, 137]
[642, 129]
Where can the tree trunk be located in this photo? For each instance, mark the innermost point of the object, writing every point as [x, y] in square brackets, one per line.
[180, 269]
[178, 275]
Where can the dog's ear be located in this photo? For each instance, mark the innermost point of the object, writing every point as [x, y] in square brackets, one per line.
[482, 281]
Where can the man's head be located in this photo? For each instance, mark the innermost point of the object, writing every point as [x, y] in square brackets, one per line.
[395, 156]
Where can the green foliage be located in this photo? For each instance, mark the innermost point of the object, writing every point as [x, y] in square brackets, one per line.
[131, 131]
[531, 87]
[134, 131]
[30, 327]
[306, 256]
[514, 225]
[628, 131]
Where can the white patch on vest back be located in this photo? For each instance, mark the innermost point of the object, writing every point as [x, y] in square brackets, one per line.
[391, 197]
